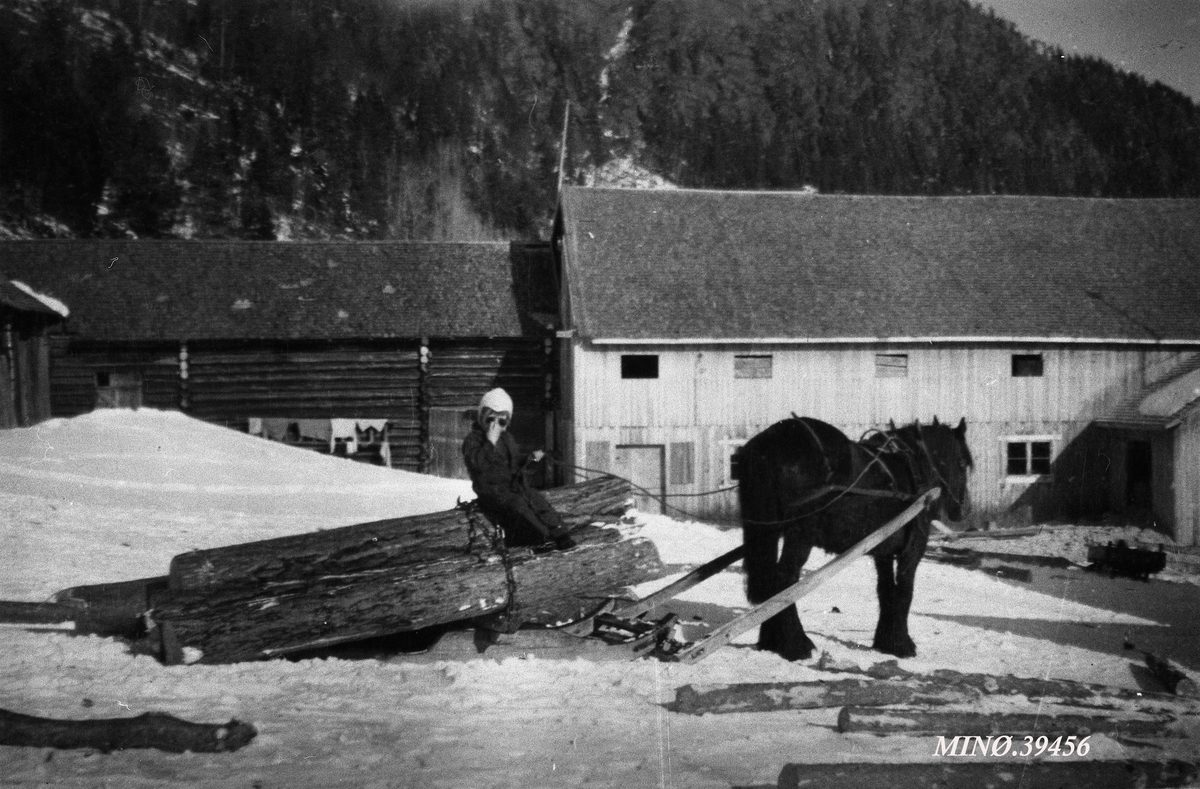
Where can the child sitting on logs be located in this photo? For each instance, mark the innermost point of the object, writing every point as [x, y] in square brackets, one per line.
[496, 465]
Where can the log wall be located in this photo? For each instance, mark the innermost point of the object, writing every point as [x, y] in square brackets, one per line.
[427, 392]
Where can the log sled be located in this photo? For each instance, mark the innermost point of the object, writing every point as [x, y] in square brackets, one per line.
[426, 574]
[419, 574]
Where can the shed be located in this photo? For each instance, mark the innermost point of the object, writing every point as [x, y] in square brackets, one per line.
[25, 318]
[693, 319]
[322, 343]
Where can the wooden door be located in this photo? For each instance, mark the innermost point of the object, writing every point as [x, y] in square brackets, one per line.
[645, 466]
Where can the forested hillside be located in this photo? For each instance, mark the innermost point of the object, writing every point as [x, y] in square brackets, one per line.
[442, 119]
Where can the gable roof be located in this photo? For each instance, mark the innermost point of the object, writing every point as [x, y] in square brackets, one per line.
[176, 290]
[683, 265]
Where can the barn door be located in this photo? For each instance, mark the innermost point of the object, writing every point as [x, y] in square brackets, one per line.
[644, 465]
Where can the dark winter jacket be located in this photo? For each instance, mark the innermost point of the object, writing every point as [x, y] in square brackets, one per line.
[491, 467]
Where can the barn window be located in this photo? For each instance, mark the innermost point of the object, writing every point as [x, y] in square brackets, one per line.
[752, 366]
[639, 365]
[1027, 458]
[891, 365]
[682, 464]
[1027, 365]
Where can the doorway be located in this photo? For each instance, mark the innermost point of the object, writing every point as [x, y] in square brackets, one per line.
[645, 465]
[1139, 475]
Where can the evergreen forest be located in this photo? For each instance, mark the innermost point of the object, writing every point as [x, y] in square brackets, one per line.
[445, 119]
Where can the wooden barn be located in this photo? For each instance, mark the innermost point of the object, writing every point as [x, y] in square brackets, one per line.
[694, 319]
[375, 350]
[25, 319]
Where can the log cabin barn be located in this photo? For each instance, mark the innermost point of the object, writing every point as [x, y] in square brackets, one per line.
[376, 350]
[1064, 330]
[25, 319]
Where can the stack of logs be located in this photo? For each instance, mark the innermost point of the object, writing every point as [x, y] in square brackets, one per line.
[309, 591]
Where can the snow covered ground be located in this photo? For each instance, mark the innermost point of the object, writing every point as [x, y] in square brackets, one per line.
[114, 495]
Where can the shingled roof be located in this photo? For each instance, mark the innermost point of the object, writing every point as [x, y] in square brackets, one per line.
[174, 290]
[681, 265]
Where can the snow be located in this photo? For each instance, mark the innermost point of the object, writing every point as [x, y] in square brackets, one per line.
[49, 301]
[113, 495]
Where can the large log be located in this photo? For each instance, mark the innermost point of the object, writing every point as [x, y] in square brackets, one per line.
[943, 774]
[882, 720]
[321, 594]
[365, 547]
[782, 696]
[1059, 691]
[148, 730]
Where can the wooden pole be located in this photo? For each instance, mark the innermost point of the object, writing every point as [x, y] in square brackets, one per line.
[701, 573]
[756, 616]
[562, 148]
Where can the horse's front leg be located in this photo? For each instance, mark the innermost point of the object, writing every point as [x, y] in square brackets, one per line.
[895, 598]
[783, 633]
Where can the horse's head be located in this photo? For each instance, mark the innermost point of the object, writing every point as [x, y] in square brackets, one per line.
[951, 463]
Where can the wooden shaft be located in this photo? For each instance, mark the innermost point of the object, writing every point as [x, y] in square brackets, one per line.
[701, 573]
[764, 611]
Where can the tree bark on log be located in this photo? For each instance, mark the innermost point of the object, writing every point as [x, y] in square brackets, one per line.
[780, 696]
[274, 597]
[365, 547]
[972, 775]
[972, 724]
[1059, 691]
[149, 730]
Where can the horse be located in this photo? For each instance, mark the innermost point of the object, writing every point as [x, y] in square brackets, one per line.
[798, 480]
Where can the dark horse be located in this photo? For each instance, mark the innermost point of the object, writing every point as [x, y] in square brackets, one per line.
[794, 481]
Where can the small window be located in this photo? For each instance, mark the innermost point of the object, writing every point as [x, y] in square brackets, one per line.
[597, 455]
[752, 366]
[682, 464]
[639, 366]
[1027, 365]
[118, 389]
[891, 365]
[1027, 458]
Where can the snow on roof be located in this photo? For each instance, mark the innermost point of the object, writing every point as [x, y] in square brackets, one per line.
[49, 301]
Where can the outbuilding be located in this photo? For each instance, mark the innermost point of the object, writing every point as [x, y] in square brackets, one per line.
[693, 319]
[379, 350]
[25, 320]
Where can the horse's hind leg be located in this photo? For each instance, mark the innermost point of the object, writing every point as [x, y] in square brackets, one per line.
[895, 597]
[783, 633]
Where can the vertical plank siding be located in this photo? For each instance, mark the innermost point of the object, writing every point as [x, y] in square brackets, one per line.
[24, 371]
[1187, 480]
[697, 398]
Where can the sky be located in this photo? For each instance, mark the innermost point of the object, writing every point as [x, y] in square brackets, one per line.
[1159, 39]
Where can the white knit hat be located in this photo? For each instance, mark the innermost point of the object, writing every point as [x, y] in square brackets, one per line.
[497, 400]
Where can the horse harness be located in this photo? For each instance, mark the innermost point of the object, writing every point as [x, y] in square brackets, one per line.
[891, 446]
